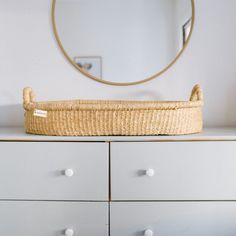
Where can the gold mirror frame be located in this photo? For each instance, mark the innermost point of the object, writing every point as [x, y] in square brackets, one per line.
[115, 83]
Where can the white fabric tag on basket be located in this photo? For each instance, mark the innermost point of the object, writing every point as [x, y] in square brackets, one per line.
[40, 113]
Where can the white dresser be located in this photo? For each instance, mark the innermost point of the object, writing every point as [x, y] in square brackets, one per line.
[118, 186]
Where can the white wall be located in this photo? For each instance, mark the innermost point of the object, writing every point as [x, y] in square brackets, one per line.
[29, 56]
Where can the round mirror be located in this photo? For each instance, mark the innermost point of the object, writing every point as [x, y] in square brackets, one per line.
[123, 42]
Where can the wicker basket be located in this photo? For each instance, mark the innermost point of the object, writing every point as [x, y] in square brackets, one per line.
[101, 117]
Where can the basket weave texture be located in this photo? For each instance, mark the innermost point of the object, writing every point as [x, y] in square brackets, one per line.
[111, 117]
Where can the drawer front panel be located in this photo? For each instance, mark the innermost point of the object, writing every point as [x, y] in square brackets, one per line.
[173, 171]
[54, 171]
[53, 218]
[173, 218]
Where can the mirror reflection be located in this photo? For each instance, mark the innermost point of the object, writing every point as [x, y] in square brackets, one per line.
[123, 41]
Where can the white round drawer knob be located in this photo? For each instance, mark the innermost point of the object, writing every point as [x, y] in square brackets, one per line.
[148, 232]
[150, 172]
[69, 232]
[69, 172]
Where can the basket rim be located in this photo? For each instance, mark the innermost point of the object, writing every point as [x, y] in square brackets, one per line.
[196, 101]
[111, 105]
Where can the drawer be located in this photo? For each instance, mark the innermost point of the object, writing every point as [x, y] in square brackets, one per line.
[53, 219]
[54, 171]
[173, 171]
[173, 219]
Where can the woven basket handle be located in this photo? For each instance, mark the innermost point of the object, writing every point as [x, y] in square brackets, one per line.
[28, 95]
[197, 94]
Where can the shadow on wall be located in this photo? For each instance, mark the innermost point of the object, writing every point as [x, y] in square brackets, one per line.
[230, 106]
[142, 95]
[12, 115]
[220, 107]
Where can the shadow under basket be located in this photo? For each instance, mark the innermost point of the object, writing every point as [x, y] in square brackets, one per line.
[111, 117]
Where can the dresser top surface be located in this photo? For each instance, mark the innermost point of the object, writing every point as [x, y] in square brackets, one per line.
[209, 134]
